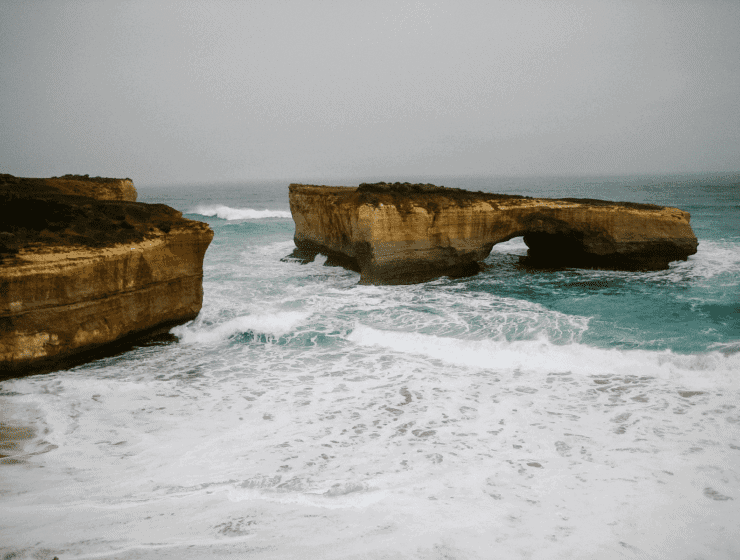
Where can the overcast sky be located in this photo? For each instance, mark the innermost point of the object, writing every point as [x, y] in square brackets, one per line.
[165, 92]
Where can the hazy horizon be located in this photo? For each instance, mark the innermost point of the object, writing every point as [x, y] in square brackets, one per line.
[221, 92]
[688, 179]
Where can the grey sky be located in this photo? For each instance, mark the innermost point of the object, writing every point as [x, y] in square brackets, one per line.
[165, 92]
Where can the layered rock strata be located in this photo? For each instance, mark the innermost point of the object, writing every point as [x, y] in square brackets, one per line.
[79, 274]
[401, 233]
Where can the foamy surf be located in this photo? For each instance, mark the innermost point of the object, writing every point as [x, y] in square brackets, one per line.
[272, 325]
[542, 356]
[228, 213]
[342, 496]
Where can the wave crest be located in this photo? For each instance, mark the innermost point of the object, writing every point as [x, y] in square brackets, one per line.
[273, 325]
[543, 356]
[228, 213]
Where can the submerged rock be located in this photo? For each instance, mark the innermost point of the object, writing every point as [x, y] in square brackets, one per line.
[402, 233]
[83, 267]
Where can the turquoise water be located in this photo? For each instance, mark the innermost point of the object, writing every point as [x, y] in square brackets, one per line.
[514, 414]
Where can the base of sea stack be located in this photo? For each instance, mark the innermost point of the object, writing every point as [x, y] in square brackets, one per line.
[159, 334]
[47, 339]
[394, 275]
[559, 251]
[306, 252]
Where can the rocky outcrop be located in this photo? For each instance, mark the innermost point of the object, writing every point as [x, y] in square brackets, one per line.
[79, 274]
[401, 233]
[100, 188]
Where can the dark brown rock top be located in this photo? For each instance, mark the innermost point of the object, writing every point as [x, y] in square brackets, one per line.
[34, 212]
[375, 193]
[428, 188]
[101, 188]
[87, 177]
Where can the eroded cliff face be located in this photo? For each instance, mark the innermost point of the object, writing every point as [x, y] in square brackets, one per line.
[410, 233]
[79, 274]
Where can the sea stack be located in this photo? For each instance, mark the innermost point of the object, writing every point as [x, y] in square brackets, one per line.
[405, 233]
[84, 266]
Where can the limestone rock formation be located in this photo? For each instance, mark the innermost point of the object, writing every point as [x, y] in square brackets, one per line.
[80, 273]
[402, 233]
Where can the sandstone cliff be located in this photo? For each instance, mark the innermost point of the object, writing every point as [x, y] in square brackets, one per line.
[78, 273]
[401, 233]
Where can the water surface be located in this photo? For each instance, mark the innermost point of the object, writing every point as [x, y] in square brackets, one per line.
[513, 414]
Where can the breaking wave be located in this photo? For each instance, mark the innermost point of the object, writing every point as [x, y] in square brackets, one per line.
[543, 356]
[272, 325]
[228, 213]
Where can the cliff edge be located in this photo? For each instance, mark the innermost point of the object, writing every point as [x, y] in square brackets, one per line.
[83, 266]
[402, 233]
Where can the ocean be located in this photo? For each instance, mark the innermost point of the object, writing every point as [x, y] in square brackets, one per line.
[515, 414]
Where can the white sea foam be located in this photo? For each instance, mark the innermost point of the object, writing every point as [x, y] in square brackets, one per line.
[712, 259]
[386, 447]
[716, 257]
[227, 213]
[727, 348]
[273, 324]
[544, 357]
[357, 496]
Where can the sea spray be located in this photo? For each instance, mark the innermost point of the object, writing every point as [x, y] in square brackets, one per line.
[272, 325]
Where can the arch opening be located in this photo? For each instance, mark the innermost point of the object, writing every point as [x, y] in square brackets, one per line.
[510, 246]
[563, 248]
[544, 250]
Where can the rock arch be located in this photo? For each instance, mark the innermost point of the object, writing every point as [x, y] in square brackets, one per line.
[400, 233]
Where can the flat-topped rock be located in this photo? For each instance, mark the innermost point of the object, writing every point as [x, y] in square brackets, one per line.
[99, 188]
[405, 233]
[78, 273]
